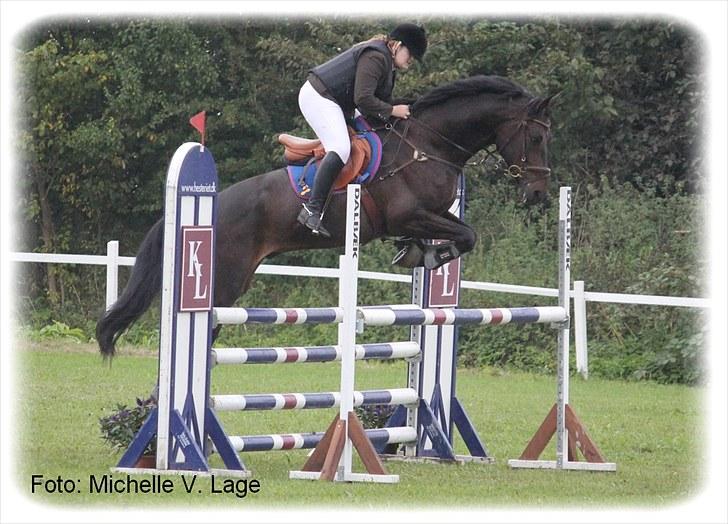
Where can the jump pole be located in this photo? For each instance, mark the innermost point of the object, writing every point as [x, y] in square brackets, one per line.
[571, 434]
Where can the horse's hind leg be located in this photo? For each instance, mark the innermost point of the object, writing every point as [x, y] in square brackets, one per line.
[234, 271]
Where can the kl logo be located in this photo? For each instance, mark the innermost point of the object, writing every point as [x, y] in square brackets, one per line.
[445, 284]
[196, 285]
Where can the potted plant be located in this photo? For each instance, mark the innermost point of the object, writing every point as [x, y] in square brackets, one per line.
[119, 428]
[373, 417]
[376, 416]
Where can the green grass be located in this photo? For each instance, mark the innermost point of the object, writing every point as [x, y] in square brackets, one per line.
[653, 432]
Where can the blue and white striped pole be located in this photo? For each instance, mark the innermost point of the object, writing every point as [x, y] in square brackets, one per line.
[414, 316]
[287, 355]
[280, 401]
[381, 436]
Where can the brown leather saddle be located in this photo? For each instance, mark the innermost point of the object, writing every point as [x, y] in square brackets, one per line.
[299, 151]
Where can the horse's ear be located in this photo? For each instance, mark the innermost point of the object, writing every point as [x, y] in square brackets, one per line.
[548, 101]
[542, 105]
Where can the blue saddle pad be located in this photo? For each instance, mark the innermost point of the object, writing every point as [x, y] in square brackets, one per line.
[302, 176]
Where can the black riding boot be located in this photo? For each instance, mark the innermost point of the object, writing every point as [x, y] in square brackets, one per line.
[310, 215]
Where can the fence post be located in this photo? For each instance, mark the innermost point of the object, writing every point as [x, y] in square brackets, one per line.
[112, 272]
[582, 353]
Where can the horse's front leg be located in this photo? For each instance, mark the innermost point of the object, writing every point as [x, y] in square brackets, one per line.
[426, 224]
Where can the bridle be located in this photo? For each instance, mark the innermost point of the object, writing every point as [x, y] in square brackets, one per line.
[513, 171]
[518, 170]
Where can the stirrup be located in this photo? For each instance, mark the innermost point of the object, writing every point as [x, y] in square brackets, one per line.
[312, 220]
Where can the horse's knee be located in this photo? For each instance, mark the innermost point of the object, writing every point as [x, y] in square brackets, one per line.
[468, 240]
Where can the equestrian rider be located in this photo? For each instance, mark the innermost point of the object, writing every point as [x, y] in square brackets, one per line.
[360, 78]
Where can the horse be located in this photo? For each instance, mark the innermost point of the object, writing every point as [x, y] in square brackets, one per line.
[422, 159]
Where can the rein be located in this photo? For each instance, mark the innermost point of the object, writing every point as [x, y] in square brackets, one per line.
[418, 155]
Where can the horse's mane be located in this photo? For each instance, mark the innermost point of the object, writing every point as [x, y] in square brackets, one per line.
[474, 85]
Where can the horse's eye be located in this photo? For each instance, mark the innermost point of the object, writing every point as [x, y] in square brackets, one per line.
[536, 139]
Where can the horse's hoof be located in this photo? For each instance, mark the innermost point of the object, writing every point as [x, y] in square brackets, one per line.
[402, 242]
[409, 256]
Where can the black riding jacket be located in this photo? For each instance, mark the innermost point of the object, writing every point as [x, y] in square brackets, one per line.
[361, 78]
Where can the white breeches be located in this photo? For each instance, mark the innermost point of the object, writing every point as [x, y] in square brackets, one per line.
[326, 119]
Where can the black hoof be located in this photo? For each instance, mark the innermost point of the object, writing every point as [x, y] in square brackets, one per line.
[410, 256]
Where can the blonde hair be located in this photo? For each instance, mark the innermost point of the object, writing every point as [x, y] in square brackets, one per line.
[393, 45]
[376, 38]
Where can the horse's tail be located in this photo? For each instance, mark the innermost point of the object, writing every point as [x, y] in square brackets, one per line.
[144, 284]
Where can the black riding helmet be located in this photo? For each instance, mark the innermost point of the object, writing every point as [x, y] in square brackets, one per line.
[413, 37]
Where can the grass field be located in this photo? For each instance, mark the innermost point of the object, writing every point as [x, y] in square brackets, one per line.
[653, 432]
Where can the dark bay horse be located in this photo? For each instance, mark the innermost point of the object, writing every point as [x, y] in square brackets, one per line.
[414, 189]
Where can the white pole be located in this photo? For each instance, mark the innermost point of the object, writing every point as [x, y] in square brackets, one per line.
[167, 313]
[414, 365]
[349, 264]
[562, 391]
[112, 272]
[580, 340]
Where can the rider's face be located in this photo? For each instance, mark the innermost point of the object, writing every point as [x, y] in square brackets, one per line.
[402, 58]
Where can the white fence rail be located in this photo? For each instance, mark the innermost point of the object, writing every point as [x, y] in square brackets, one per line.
[113, 261]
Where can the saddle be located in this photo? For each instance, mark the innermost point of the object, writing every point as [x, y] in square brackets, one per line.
[304, 151]
[303, 155]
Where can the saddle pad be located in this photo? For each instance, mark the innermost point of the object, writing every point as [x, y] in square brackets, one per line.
[302, 176]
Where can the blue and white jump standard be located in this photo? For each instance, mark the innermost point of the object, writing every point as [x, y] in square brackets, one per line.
[184, 425]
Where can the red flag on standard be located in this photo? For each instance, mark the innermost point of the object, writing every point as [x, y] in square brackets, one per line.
[198, 122]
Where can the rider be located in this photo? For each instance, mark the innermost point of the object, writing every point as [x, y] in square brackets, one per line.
[360, 78]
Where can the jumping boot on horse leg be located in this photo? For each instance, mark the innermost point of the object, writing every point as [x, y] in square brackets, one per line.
[415, 253]
[312, 213]
[440, 254]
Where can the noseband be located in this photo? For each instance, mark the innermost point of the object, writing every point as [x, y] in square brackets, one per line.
[514, 170]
